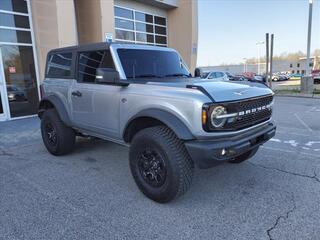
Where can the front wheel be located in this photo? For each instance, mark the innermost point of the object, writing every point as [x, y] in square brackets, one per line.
[245, 156]
[160, 164]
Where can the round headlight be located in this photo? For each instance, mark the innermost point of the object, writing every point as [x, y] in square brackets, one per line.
[215, 120]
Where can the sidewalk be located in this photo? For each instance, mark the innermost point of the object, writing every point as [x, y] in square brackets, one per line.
[19, 131]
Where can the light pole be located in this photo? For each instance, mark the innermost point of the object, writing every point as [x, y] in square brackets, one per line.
[308, 72]
[259, 44]
[307, 80]
[244, 64]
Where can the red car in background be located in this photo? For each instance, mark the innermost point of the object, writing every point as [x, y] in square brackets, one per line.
[316, 76]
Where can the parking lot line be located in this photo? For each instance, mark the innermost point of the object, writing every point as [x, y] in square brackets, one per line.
[290, 151]
[303, 123]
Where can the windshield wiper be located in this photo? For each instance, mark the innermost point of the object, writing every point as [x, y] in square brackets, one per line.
[178, 75]
[146, 76]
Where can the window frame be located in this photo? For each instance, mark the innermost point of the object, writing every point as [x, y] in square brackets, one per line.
[135, 31]
[72, 65]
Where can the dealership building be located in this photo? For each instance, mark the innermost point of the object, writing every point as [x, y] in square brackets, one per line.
[30, 28]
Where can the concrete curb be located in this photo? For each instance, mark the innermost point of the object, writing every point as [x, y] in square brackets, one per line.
[298, 95]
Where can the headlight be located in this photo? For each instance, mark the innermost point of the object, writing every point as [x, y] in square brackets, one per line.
[217, 121]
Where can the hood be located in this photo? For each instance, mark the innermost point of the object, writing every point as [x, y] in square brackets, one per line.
[222, 91]
[231, 91]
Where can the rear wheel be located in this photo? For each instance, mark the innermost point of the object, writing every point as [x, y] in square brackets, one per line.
[245, 156]
[160, 164]
[58, 138]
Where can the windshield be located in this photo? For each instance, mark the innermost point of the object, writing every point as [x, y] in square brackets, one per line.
[139, 63]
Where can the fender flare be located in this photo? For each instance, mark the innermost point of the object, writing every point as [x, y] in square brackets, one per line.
[169, 119]
[58, 105]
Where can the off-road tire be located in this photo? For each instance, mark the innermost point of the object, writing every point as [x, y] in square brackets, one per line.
[178, 164]
[65, 136]
[245, 156]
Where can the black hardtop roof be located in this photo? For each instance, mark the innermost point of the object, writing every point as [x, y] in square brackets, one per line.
[83, 47]
[90, 47]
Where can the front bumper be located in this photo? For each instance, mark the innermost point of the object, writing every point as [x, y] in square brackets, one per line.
[208, 153]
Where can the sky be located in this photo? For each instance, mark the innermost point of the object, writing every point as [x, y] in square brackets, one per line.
[230, 29]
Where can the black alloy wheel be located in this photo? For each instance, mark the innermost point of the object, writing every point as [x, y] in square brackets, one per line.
[152, 167]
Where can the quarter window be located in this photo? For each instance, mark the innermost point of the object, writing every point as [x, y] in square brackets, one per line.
[90, 61]
[59, 65]
[138, 27]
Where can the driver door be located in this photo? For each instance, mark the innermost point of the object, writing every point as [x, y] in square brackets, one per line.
[95, 107]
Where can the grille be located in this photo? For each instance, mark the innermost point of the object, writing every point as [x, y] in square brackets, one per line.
[253, 118]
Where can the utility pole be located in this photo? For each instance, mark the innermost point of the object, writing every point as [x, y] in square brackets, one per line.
[267, 59]
[271, 59]
[308, 71]
[307, 80]
[244, 65]
[259, 44]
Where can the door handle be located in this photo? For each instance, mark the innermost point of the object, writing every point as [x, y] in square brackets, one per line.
[76, 94]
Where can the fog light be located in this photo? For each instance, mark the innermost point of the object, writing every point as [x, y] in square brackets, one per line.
[223, 152]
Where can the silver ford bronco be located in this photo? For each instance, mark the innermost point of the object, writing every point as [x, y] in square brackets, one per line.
[144, 97]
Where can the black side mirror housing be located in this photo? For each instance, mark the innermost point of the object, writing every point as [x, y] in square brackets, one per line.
[197, 72]
[109, 76]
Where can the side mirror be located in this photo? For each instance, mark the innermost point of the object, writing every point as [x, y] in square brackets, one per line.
[197, 72]
[109, 76]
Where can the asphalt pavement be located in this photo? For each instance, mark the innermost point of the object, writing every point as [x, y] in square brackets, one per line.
[90, 193]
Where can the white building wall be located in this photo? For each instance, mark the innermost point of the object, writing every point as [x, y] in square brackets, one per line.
[278, 66]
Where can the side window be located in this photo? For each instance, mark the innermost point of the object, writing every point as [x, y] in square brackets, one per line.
[219, 74]
[88, 63]
[59, 65]
[212, 75]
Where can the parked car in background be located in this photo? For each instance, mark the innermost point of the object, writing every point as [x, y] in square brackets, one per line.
[224, 76]
[241, 77]
[253, 77]
[218, 75]
[279, 77]
[15, 94]
[249, 75]
[316, 76]
[233, 77]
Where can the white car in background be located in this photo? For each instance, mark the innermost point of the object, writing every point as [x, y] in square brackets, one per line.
[218, 75]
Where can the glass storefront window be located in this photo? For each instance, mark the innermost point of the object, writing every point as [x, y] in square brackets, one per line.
[161, 30]
[160, 20]
[15, 36]
[124, 13]
[142, 37]
[161, 40]
[20, 77]
[12, 20]
[14, 6]
[125, 35]
[141, 27]
[144, 17]
[125, 24]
